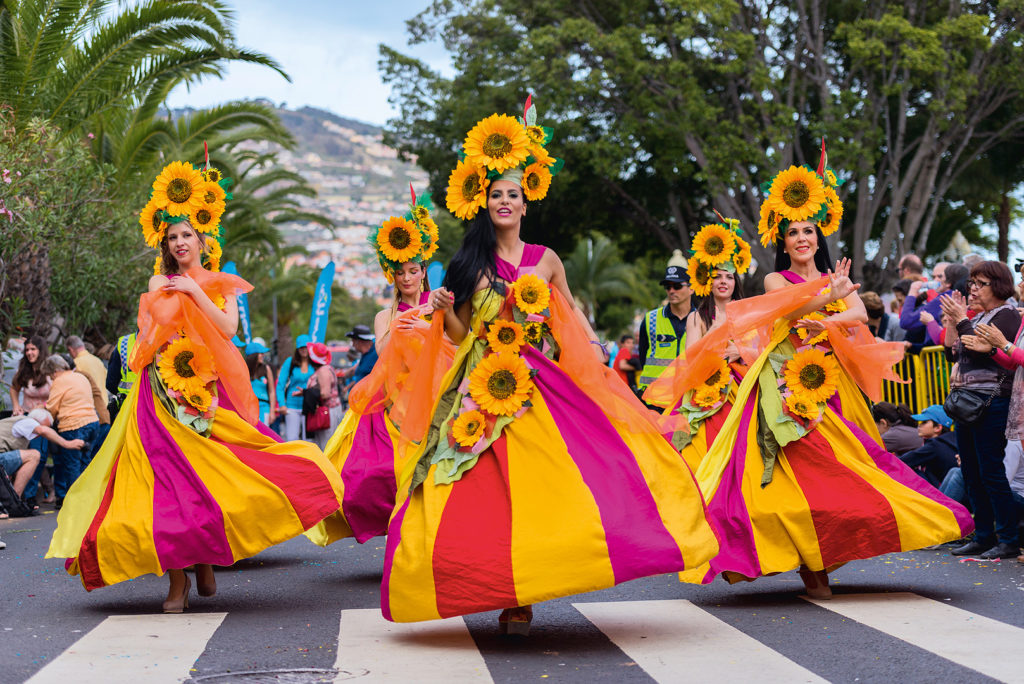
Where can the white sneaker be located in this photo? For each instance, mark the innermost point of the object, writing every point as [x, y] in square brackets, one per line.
[3, 544]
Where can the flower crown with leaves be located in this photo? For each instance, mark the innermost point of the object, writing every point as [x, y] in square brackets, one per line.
[502, 147]
[181, 192]
[717, 246]
[801, 194]
[412, 237]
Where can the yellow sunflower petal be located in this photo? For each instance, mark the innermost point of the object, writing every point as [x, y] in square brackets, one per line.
[433, 237]
[720, 378]
[468, 428]
[536, 181]
[741, 258]
[506, 336]
[183, 364]
[813, 374]
[177, 189]
[768, 226]
[714, 244]
[803, 406]
[205, 218]
[198, 398]
[700, 276]
[153, 226]
[467, 190]
[532, 294]
[399, 240]
[500, 384]
[835, 213]
[706, 397]
[799, 193]
[498, 142]
[212, 193]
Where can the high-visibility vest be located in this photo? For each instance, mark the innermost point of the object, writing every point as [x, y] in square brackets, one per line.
[125, 344]
[662, 346]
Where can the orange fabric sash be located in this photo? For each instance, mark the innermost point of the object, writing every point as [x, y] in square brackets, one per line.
[163, 314]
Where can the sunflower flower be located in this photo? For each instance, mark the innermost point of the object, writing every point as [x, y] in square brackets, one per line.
[536, 181]
[532, 294]
[801, 405]
[838, 306]
[798, 193]
[535, 332]
[420, 213]
[176, 189]
[433, 236]
[468, 428]
[212, 175]
[467, 190]
[700, 277]
[399, 240]
[185, 366]
[158, 265]
[198, 397]
[506, 336]
[812, 374]
[212, 193]
[541, 156]
[720, 378]
[153, 226]
[768, 226]
[498, 142]
[706, 397]
[834, 215]
[804, 333]
[741, 258]
[714, 244]
[213, 253]
[205, 218]
[536, 135]
[500, 384]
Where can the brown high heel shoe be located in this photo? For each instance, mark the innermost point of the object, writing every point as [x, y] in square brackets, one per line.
[206, 581]
[180, 603]
[816, 583]
[516, 620]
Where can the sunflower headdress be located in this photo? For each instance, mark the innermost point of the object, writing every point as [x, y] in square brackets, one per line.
[411, 237]
[801, 194]
[717, 246]
[502, 147]
[182, 192]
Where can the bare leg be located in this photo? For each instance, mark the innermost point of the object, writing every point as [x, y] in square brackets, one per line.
[206, 582]
[29, 461]
[177, 592]
[816, 583]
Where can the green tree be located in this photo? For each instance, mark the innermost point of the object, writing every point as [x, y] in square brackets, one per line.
[666, 109]
[597, 275]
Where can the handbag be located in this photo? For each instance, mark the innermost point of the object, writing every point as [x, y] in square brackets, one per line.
[967, 406]
[320, 419]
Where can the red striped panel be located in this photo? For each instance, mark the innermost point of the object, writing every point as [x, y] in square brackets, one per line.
[851, 518]
[88, 558]
[473, 547]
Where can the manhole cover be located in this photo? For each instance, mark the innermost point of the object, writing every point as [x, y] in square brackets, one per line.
[304, 676]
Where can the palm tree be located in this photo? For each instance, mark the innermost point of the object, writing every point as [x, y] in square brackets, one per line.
[596, 274]
[69, 62]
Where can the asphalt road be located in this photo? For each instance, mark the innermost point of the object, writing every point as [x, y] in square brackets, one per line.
[281, 611]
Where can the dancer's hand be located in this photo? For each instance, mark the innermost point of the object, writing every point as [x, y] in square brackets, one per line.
[839, 280]
[412, 319]
[441, 299]
[811, 325]
[182, 283]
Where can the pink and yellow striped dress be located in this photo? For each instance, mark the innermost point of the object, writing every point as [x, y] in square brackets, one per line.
[835, 495]
[579, 492]
[158, 495]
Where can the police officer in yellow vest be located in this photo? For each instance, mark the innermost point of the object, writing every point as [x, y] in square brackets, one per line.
[663, 331]
[120, 377]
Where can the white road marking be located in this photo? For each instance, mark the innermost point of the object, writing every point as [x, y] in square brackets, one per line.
[435, 651]
[968, 639]
[675, 641]
[156, 649]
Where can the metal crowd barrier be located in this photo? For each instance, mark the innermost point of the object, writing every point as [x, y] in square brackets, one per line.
[928, 376]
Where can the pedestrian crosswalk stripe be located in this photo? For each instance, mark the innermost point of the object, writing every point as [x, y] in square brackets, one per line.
[157, 649]
[675, 641]
[436, 651]
[967, 639]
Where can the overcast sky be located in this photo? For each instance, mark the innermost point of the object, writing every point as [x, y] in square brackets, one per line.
[328, 47]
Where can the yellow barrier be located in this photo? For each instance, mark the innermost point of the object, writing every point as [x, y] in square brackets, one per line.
[928, 373]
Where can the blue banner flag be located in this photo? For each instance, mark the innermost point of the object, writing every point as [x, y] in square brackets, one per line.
[435, 274]
[321, 304]
[243, 306]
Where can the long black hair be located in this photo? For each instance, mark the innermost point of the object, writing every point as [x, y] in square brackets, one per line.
[474, 259]
[822, 260]
[706, 305]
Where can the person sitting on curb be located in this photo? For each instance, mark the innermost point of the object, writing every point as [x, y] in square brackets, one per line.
[16, 432]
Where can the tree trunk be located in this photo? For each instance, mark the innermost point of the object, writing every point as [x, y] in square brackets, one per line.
[1003, 221]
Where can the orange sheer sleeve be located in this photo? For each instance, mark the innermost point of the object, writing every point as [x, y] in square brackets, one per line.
[163, 314]
[867, 360]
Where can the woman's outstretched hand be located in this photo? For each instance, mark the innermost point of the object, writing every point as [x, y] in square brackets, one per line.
[839, 280]
[441, 299]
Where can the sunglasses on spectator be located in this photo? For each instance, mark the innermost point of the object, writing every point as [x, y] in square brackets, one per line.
[971, 284]
[675, 286]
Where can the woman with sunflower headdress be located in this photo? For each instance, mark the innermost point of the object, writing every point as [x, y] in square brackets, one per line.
[366, 449]
[187, 475]
[539, 473]
[701, 385]
[797, 477]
